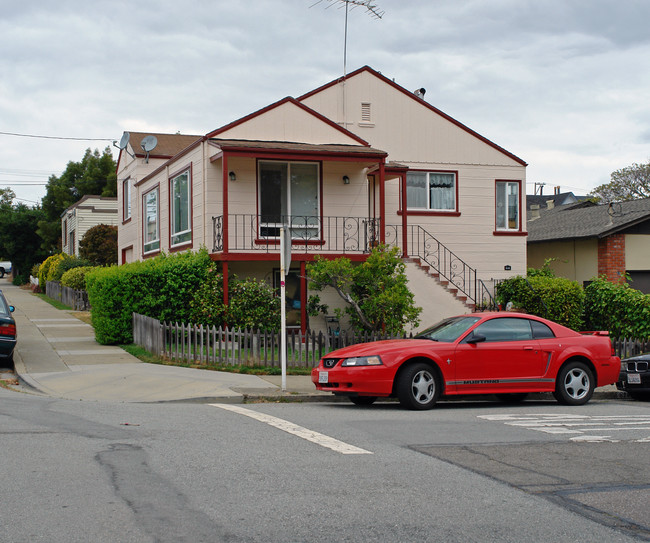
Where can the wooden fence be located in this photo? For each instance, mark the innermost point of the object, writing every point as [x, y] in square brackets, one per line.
[76, 299]
[627, 347]
[211, 345]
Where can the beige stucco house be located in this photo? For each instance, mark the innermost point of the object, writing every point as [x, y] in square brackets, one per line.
[356, 162]
[585, 240]
[81, 216]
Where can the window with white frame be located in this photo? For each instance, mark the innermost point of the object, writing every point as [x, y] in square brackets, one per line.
[431, 191]
[181, 211]
[507, 205]
[151, 221]
[126, 199]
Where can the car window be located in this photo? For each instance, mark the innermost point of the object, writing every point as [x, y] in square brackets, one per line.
[540, 330]
[4, 307]
[448, 330]
[505, 329]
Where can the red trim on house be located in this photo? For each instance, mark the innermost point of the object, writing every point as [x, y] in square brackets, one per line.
[124, 250]
[279, 103]
[295, 257]
[224, 176]
[417, 99]
[296, 242]
[405, 216]
[171, 159]
[382, 203]
[225, 282]
[430, 213]
[434, 212]
[519, 231]
[188, 244]
[304, 156]
[144, 221]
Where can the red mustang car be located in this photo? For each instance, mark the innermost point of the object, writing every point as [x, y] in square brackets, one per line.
[507, 354]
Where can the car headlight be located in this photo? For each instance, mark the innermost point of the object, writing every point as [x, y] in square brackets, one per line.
[362, 361]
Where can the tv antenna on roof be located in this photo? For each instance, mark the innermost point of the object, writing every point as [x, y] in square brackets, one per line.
[371, 9]
[123, 143]
[148, 144]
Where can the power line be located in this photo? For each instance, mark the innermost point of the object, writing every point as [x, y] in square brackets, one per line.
[53, 137]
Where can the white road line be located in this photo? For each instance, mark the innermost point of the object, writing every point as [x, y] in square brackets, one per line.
[294, 429]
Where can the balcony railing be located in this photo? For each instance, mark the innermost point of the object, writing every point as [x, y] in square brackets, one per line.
[310, 234]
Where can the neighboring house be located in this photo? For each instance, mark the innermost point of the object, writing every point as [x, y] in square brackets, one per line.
[588, 240]
[357, 162]
[83, 215]
[556, 199]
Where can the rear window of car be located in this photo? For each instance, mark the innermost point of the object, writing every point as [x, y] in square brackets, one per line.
[540, 330]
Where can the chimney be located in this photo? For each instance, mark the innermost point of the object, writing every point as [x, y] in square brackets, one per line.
[550, 204]
[534, 212]
[556, 190]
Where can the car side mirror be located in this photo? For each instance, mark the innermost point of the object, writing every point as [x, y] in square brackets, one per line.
[12, 308]
[475, 338]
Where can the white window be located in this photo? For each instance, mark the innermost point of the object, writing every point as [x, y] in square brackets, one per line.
[289, 194]
[151, 221]
[181, 212]
[431, 191]
[507, 205]
[126, 199]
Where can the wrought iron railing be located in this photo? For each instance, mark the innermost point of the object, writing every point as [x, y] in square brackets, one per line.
[449, 266]
[309, 234]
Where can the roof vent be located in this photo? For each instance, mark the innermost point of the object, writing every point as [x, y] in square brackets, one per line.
[420, 92]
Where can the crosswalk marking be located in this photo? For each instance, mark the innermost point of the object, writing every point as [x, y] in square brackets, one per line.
[580, 427]
[294, 429]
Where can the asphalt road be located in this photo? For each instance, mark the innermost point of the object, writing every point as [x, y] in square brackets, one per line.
[465, 471]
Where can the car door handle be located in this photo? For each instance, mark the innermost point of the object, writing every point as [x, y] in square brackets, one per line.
[528, 348]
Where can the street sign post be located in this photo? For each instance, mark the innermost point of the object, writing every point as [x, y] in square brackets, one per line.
[285, 263]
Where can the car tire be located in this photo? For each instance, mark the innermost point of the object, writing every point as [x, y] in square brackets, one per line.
[363, 400]
[515, 397]
[2, 273]
[640, 396]
[575, 384]
[418, 387]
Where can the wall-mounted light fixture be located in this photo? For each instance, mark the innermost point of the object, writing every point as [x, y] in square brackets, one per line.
[346, 180]
[233, 176]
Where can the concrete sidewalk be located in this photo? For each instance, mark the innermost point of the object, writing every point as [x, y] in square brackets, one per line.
[57, 355]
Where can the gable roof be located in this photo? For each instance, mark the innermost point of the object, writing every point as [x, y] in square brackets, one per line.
[413, 96]
[279, 103]
[580, 222]
[560, 199]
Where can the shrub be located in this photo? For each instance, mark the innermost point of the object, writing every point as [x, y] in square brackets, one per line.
[44, 269]
[73, 262]
[253, 304]
[76, 277]
[34, 271]
[159, 287]
[554, 298]
[618, 308]
[56, 268]
[206, 306]
[99, 245]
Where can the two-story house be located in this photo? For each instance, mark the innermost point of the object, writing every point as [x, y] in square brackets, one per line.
[357, 162]
[81, 216]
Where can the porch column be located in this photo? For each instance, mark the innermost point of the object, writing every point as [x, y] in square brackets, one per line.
[303, 296]
[225, 178]
[405, 252]
[382, 202]
[225, 282]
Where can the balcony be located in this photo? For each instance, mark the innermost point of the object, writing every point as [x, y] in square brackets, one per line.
[318, 235]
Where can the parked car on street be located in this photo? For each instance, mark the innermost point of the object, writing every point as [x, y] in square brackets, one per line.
[7, 331]
[5, 268]
[635, 377]
[502, 353]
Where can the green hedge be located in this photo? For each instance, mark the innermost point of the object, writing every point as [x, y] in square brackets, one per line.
[159, 287]
[563, 299]
[76, 277]
[622, 310]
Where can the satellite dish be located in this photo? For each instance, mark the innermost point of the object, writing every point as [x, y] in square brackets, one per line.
[148, 144]
[123, 143]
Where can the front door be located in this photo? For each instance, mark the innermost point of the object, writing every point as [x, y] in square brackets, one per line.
[289, 194]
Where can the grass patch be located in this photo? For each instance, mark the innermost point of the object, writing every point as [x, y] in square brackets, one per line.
[146, 356]
[54, 303]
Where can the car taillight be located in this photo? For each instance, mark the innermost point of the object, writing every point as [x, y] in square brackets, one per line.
[7, 329]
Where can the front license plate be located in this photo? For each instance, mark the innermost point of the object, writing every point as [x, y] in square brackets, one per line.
[634, 378]
[323, 376]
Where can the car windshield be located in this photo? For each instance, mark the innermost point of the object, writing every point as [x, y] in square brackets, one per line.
[448, 330]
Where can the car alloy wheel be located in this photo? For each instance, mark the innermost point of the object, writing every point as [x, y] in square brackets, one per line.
[418, 386]
[575, 384]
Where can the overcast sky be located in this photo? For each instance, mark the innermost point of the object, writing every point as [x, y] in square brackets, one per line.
[563, 84]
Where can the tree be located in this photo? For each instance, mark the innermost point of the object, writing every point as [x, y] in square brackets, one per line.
[630, 183]
[19, 241]
[375, 291]
[99, 245]
[95, 174]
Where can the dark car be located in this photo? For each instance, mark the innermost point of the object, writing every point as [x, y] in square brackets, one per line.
[7, 331]
[507, 354]
[635, 377]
